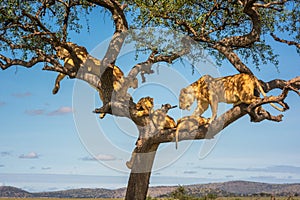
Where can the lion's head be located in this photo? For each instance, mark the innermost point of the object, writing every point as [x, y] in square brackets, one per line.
[63, 53]
[145, 103]
[186, 98]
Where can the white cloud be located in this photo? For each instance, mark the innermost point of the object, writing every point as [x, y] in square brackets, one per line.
[190, 172]
[46, 168]
[61, 111]
[21, 95]
[35, 112]
[100, 157]
[105, 157]
[31, 155]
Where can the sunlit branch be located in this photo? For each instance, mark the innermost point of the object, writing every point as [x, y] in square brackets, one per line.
[11, 62]
[271, 5]
[121, 28]
[250, 38]
[15, 46]
[233, 58]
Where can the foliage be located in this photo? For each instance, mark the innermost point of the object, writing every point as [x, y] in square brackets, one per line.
[216, 20]
[180, 193]
[213, 20]
[28, 26]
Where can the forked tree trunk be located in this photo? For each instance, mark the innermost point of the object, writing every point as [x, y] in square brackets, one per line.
[139, 179]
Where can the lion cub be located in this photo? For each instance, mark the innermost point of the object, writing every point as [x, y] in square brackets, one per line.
[144, 106]
[236, 89]
[159, 117]
[189, 123]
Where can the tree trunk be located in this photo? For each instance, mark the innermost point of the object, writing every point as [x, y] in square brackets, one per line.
[139, 179]
[138, 185]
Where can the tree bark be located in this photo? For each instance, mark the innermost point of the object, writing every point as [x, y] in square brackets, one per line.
[137, 187]
[139, 179]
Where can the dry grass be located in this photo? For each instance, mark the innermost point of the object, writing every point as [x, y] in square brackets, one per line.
[256, 198]
[219, 198]
[58, 199]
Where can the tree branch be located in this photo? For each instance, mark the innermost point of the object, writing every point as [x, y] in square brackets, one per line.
[250, 38]
[215, 7]
[154, 57]
[285, 41]
[203, 132]
[65, 21]
[121, 28]
[233, 58]
[37, 21]
[271, 5]
[10, 62]
[293, 84]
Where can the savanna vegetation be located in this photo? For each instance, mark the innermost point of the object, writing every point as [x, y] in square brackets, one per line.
[171, 198]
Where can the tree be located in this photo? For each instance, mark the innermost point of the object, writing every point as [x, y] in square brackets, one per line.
[179, 193]
[34, 32]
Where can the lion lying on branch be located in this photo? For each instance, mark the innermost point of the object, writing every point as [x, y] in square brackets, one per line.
[111, 77]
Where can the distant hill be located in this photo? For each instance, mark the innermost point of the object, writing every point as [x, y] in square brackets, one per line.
[8, 191]
[81, 193]
[232, 188]
[244, 188]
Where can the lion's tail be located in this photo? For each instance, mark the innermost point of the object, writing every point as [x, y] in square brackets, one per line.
[265, 95]
[176, 136]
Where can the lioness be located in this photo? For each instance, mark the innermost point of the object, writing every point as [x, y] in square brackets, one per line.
[235, 89]
[111, 78]
[69, 64]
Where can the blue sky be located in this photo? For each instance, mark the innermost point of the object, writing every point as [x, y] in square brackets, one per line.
[50, 141]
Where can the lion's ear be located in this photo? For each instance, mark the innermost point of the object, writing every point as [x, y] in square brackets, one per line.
[83, 51]
[184, 90]
[57, 48]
